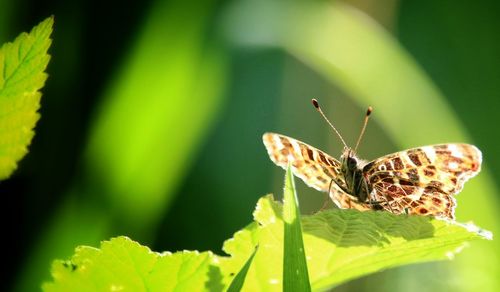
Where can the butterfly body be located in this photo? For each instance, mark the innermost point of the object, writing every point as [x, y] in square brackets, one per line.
[420, 181]
[351, 179]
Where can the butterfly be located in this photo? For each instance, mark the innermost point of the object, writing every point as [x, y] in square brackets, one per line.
[420, 180]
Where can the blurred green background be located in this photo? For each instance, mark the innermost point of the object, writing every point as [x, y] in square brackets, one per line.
[153, 114]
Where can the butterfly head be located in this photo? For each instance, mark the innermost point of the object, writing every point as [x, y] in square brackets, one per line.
[352, 170]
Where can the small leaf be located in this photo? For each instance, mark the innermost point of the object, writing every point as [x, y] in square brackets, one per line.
[22, 65]
[295, 276]
[124, 265]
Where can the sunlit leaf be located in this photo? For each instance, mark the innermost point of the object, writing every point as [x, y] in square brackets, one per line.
[124, 265]
[22, 65]
[342, 245]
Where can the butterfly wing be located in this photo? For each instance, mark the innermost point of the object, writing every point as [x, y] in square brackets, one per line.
[313, 166]
[422, 180]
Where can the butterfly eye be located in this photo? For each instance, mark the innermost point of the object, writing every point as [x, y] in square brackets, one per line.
[351, 162]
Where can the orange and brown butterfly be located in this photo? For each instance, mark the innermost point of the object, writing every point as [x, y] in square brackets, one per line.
[419, 181]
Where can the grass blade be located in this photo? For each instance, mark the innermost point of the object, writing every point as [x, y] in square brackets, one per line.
[238, 281]
[295, 275]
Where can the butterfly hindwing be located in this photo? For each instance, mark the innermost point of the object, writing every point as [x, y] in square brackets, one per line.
[422, 180]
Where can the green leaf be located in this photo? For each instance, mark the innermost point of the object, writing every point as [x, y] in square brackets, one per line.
[124, 265]
[343, 244]
[22, 65]
[340, 245]
[238, 281]
[295, 276]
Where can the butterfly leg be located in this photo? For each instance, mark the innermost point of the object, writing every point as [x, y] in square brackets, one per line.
[371, 195]
[339, 184]
[330, 186]
[327, 196]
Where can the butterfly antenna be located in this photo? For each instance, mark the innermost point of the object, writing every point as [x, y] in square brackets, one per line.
[367, 116]
[316, 105]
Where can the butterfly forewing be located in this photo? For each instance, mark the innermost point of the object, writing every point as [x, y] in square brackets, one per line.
[313, 166]
[316, 168]
[422, 180]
